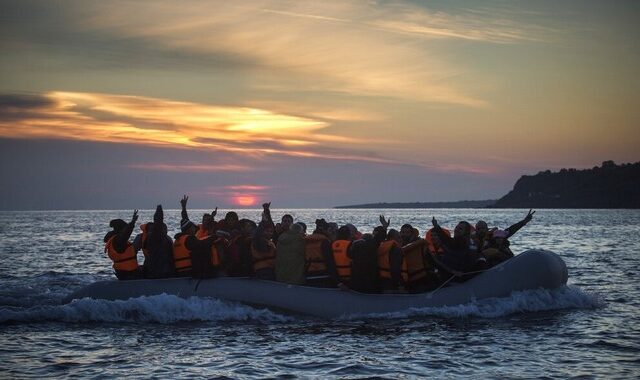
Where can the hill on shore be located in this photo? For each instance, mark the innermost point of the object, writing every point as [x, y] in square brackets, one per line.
[607, 186]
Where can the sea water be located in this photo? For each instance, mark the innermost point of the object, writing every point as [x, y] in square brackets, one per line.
[590, 328]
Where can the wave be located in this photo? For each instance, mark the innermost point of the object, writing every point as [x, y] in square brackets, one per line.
[153, 309]
[565, 297]
[168, 309]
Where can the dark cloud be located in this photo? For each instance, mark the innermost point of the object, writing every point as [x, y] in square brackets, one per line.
[24, 101]
[21, 106]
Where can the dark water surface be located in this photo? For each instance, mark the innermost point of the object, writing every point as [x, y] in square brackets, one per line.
[591, 328]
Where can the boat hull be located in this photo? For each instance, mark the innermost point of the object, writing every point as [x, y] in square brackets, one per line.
[531, 269]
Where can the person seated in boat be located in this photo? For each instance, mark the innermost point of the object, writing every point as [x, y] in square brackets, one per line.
[290, 259]
[340, 247]
[192, 257]
[158, 248]
[121, 251]
[390, 259]
[263, 251]
[207, 226]
[320, 268]
[364, 261]
[229, 224]
[355, 234]
[481, 236]
[332, 230]
[458, 257]
[497, 249]
[418, 270]
[285, 223]
[241, 242]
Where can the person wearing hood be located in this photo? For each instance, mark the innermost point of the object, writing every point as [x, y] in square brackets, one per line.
[158, 245]
[290, 261]
[364, 261]
[121, 251]
[320, 267]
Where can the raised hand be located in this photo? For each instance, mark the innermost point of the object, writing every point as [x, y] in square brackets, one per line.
[214, 213]
[434, 222]
[134, 218]
[183, 201]
[529, 216]
[383, 222]
[266, 205]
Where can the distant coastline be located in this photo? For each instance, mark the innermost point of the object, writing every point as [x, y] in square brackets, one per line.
[609, 186]
[399, 205]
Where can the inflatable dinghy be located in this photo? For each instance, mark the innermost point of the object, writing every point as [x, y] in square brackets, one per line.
[531, 269]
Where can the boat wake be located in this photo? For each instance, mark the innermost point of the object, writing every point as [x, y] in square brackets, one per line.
[162, 308]
[564, 297]
[167, 309]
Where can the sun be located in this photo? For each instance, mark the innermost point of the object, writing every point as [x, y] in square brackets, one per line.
[245, 200]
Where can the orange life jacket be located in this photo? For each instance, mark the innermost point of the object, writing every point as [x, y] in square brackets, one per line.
[414, 266]
[215, 251]
[384, 267]
[432, 245]
[313, 256]
[125, 261]
[262, 260]
[202, 233]
[181, 255]
[343, 262]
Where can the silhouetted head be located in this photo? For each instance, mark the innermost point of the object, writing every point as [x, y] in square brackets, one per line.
[188, 227]
[286, 221]
[406, 233]
[394, 235]
[462, 230]
[117, 225]
[206, 219]
[481, 228]
[321, 226]
[231, 219]
[247, 226]
[379, 234]
[297, 228]
[344, 233]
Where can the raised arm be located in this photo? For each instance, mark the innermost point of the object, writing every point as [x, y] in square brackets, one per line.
[183, 204]
[266, 213]
[511, 230]
[120, 242]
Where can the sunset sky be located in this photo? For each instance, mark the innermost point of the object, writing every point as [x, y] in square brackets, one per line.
[119, 104]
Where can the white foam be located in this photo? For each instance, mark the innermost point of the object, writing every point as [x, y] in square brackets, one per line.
[156, 309]
[565, 297]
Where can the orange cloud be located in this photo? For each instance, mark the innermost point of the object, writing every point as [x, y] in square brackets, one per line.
[152, 121]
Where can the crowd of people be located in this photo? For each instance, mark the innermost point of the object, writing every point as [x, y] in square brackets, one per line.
[383, 261]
